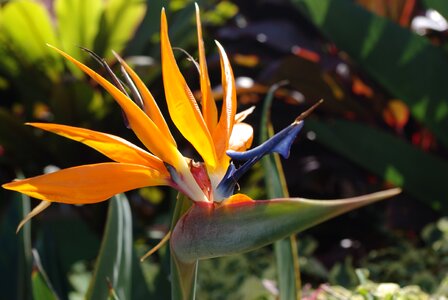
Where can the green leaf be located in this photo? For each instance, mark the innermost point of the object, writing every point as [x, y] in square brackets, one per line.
[117, 25]
[208, 231]
[42, 289]
[148, 28]
[406, 64]
[114, 262]
[112, 294]
[62, 258]
[26, 27]
[78, 25]
[139, 287]
[420, 174]
[15, 258]
[25, 260]
[286, 253]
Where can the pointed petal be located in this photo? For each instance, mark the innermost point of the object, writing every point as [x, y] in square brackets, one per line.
[150, 106]
[162, 242]
[224, 129]
[209, 110]
[89, 183]
[182, 106]
[112, 146]
[141, 124]
[208, 231]
[241, 138]
[280, 143]
[37, 210]
[241, 116]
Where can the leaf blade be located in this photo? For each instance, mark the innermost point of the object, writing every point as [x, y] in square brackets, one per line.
[42, 288]
[118, 22]
[286, 254]
[115, 257]
[27, 25]
[392, 163]
[406, 67]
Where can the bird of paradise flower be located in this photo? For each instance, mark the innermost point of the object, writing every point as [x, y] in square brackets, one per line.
[218, 222]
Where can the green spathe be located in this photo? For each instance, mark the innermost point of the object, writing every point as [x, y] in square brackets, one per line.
[209, 230]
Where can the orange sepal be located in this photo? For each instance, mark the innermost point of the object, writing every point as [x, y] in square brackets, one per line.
[141, 124]
[222, 133]
[150, 106]
[237, 199]
[112, 146]
[209, 110]
[182, 106]
[88, 183]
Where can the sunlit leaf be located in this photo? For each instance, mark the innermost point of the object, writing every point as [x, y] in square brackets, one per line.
[148, 29]
[26, 26]
[118, 23]
[78, 25]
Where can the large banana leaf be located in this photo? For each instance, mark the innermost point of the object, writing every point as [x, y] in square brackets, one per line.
[406, 64]
[78, 25]
[421, 174]
[114, 263]
[117, 25]
[148, 28]
[27, 27]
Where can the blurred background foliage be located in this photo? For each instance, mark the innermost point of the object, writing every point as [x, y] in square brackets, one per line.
[381, 67]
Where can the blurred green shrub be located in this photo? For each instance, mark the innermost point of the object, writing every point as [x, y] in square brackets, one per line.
[405, 263]
[37, 85]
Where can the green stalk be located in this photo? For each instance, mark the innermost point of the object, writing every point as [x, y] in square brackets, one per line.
[183, 274]
[286, 254]
[25, 256]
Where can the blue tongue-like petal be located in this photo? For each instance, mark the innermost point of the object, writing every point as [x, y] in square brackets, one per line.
[279, 143]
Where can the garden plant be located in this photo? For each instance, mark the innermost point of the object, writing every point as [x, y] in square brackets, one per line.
[202, 156]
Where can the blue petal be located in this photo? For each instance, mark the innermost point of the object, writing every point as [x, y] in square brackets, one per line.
[227, 185]
[173, 173]
[279, 143]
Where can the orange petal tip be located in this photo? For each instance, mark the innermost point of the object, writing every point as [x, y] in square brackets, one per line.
[238, 199]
